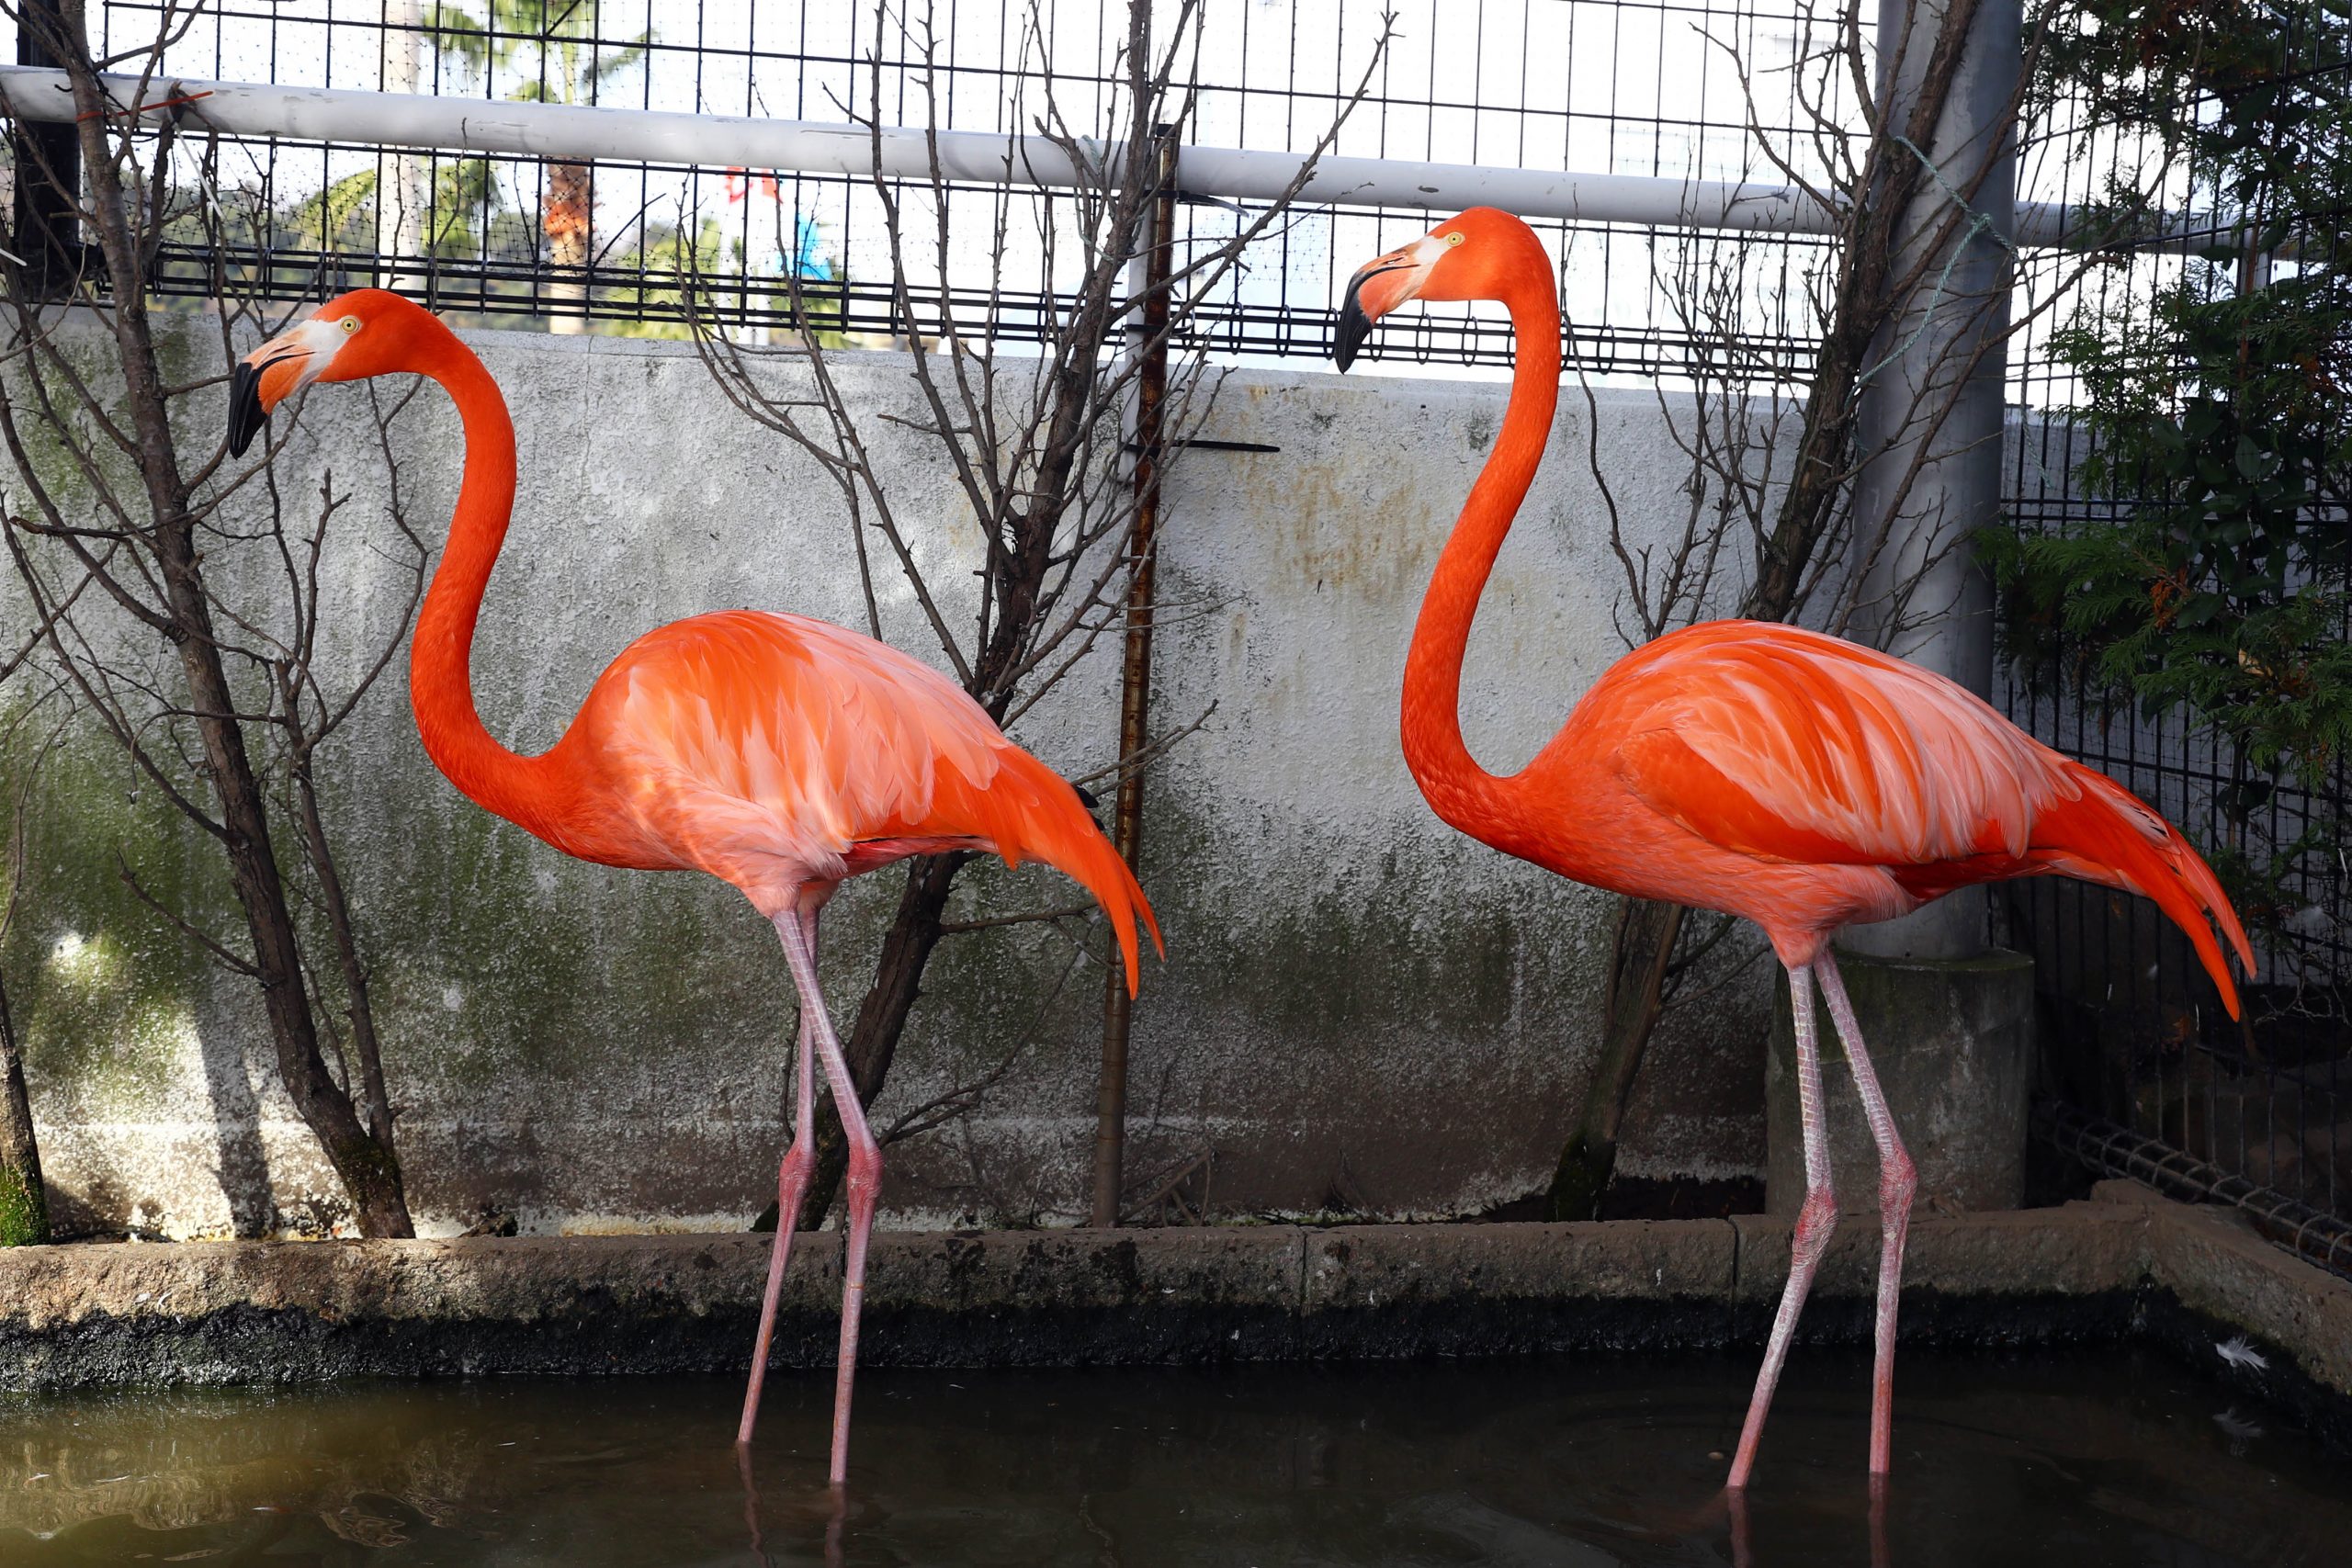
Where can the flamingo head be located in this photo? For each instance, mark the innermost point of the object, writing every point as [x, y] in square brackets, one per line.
[352, 336]
[1481, 254]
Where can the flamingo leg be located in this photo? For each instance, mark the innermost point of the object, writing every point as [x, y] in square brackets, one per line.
[865, 1181]
[791, 1177]
[1897, 1181]
[1816, 1221]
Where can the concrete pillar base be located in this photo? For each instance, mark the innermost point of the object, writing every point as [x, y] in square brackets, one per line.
[1952, 1041]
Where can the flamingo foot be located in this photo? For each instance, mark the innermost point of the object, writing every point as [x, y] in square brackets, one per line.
[791, 1187]
[797, 927]
[864, 1172]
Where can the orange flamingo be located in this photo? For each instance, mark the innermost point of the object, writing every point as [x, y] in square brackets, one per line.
[778, 753]
[1752, 768]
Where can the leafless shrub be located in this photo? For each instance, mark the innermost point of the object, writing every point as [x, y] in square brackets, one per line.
[193, 633]
[1049, 450]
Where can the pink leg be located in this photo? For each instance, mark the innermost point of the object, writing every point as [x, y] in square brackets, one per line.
[791, 1179]
[1897, 1181]
[751, 1498]
[1816, 1221]
[1743, 1551]
[864, 1188]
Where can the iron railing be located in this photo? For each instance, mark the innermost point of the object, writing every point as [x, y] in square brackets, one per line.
[2113, 1149]
[1627, 86]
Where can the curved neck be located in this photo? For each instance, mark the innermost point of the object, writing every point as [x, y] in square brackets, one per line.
[440, 686]
[1459, 790]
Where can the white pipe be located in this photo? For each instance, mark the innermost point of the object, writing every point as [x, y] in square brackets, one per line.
[649, 136]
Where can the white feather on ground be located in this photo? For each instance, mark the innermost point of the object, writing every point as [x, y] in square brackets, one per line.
[2240, 1355]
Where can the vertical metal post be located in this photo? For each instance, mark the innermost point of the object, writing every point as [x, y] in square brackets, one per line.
[1154, 243]
[1929, 423]
[48, 176]
[400, 177]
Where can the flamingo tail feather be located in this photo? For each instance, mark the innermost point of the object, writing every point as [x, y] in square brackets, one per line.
[1030, 812]
[2108, 835]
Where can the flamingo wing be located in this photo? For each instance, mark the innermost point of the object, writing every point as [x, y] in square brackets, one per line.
[1788, 746]
[772, 749]
[829, 737]
[1783, 744]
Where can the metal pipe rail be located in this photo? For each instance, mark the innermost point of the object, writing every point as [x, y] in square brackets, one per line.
[2113, 1149]
[570, 133]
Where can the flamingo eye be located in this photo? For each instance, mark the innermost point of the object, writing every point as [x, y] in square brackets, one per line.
[1456, 237]
[350, 325]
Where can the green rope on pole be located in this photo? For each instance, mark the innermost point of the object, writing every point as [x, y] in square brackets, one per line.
[1979, 223]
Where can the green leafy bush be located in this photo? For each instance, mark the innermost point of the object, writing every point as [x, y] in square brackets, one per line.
[2219, 406]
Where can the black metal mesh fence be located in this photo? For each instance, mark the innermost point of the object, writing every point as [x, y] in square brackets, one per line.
[1623, 87]
[2144, 1066]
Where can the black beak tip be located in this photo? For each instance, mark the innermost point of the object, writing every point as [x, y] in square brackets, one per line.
[246, 416]
[1354, 327]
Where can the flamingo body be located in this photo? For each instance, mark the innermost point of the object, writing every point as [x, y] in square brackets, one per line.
[777, 753]
[1809, 784]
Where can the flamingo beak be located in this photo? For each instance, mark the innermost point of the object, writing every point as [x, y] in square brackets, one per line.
[271, 374]
[246, 415]
[1388, 292]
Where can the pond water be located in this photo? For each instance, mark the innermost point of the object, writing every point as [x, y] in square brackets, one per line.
[2081, 1460]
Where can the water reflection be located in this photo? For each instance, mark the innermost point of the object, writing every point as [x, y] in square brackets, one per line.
[1743, 1535]
[366, 1469]
[833, 1505]
[2072, 1462]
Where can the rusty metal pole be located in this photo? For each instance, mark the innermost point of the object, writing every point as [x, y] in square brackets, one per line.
[1150, 343]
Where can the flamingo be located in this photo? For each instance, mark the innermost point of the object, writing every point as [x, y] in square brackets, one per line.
[778, 753]
[1752, 768]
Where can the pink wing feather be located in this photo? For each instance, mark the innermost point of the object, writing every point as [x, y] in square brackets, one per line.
[1783, 743]
[773, 751]
[1787, 746]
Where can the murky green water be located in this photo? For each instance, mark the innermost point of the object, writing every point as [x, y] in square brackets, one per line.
[2080, 1460]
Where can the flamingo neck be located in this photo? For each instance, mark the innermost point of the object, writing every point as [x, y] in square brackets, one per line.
[440, 681]
[1457, 788]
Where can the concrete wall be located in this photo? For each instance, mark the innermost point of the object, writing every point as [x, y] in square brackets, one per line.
[1360, 1008]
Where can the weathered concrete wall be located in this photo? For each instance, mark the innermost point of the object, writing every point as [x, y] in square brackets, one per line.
[1360, 1010]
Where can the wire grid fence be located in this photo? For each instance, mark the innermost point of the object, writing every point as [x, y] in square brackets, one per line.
[2147, 1076]
[1624, 86]
[1614, 86]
